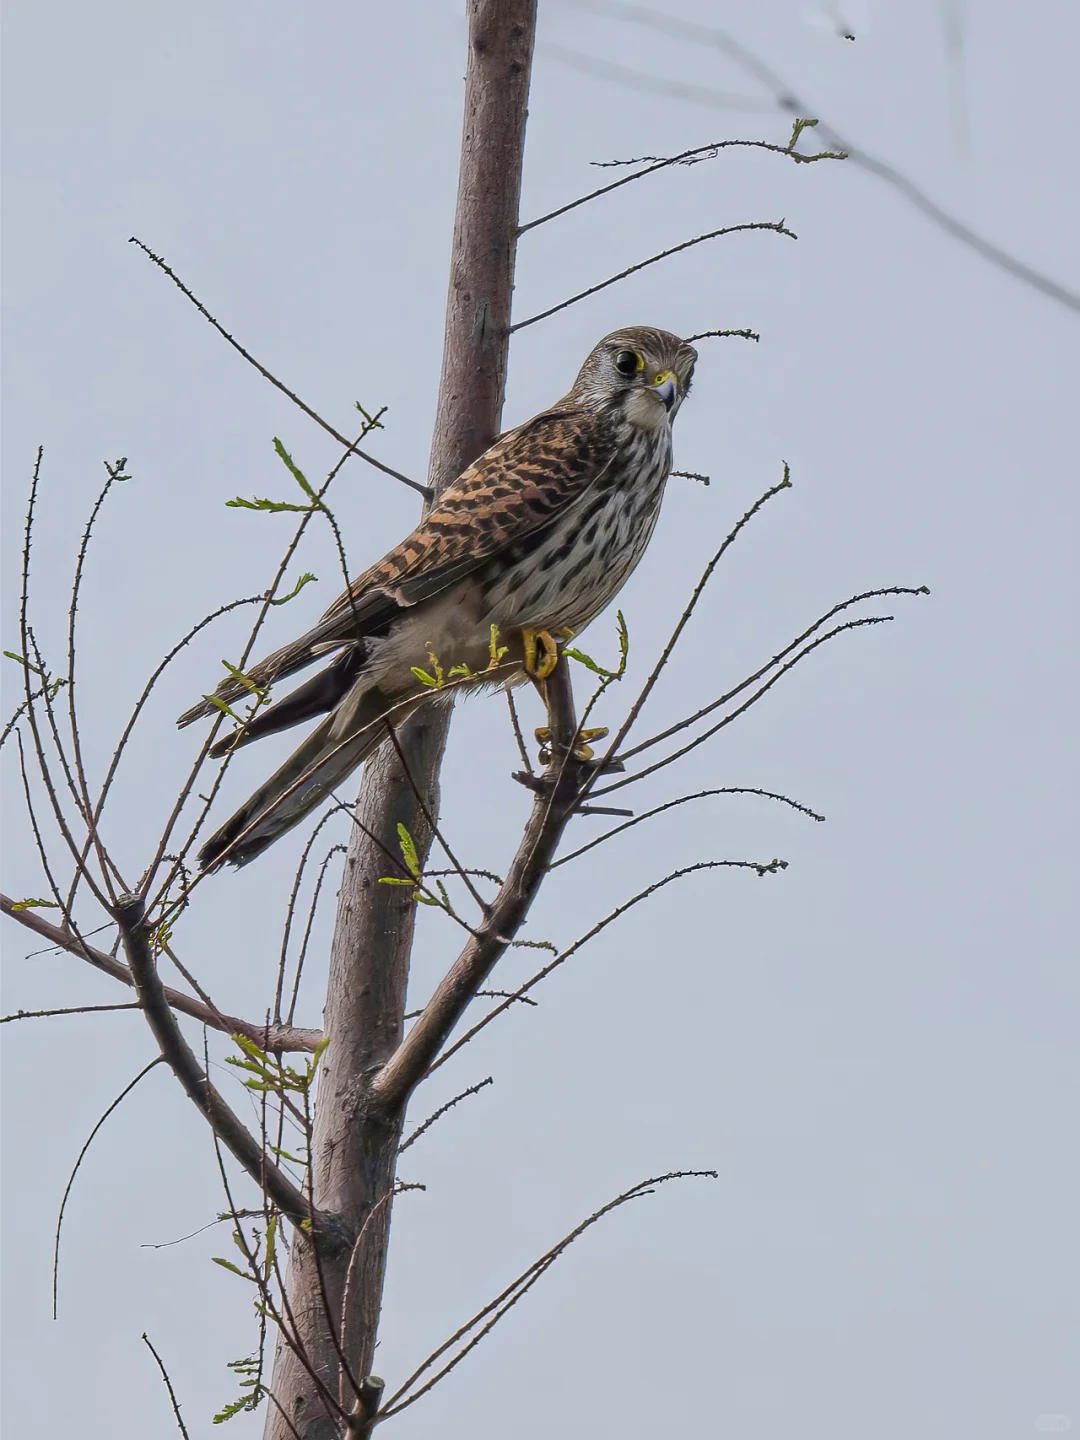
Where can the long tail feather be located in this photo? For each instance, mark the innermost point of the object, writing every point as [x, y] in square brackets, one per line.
[314, 697]
[277, 666]
[322, 763]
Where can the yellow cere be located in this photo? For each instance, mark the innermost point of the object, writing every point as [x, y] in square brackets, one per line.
[661, 376]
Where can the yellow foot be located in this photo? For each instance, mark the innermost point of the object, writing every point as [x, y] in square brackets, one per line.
[581, 751]
[541, 653]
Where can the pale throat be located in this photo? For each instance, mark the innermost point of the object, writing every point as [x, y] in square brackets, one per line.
[646, 411]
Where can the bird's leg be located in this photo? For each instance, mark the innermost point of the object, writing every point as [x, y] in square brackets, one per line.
[538, 665]
[539, 672]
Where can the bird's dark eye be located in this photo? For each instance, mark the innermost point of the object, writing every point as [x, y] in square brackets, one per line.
[629, 362]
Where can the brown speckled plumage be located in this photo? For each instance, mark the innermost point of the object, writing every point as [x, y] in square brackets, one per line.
[539, 533]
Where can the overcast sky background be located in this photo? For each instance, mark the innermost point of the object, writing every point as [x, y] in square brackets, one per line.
[875, 1049]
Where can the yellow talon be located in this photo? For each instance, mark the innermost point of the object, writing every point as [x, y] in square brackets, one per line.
[582, 750]
[537, 665]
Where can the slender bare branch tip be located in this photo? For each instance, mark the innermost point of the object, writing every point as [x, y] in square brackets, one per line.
[68, 1010]
[352, 446]
[168, 1386]
[719, 334]
[441, 1111]
[778, 227]
[516, 1290]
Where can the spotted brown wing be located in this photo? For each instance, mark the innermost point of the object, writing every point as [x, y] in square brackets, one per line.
[518, 487]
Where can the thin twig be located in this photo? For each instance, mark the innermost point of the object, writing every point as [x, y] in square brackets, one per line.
[312, 908]
[516, 726]
[75, 1170]
[741, 710]
[282, 1412]
[433, 824]
[189, 783]
[786, 98]
[771, 868]
[279, 1039]
[352, 447]
[682, 800]
[166, 660]
[10, 726]
[720, 334]
[35, 828]
[398, 1187]
[26, 641]
[245, 1149]
[240, 1214]
[550, 815]
[68, 1010]
[777, 226]
[290, 911]
[687, 157]
[168, 1386]
[881, 593]
[469, 870]
[420, 1129]
[519, 1287]
[289, 1337]
[499, 994]
[115, 473]
[684, 619]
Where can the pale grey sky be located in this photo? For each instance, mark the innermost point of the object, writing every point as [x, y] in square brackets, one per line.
[877, 1048]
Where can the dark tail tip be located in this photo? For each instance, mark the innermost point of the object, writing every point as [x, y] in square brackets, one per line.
[222, 747]
[217, 852]
[230, 845]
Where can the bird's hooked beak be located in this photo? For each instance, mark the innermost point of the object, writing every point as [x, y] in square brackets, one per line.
[666, 387]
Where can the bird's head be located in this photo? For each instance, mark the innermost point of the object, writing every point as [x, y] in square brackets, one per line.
[643, 372]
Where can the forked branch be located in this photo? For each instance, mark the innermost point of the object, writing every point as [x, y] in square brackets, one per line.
[227, 1126]
[275, 1039]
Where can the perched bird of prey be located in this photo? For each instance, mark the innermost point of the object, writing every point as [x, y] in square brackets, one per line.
[523, 550]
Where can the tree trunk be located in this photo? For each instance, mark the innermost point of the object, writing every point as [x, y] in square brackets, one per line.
[354, 1151]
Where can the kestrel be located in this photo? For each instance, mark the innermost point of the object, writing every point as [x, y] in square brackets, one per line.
[527, 547]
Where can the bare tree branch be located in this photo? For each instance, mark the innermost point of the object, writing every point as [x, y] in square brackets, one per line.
[683, 800]
[168, 1386]
[686, 157]
[552, 808]
[351, 447]
[762, 868]
[290, 909]
[741, 709]
[269, 600]
[305, 940]
[684, 619]
[275, 1039]
[225, 1124]
[75, 1170]
[517, 1288]
[786, 98]
[441, 1111]
[837, 609]
[67, 1010]
[775, 225]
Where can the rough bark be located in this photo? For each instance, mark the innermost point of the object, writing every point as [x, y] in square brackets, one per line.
[355, 1142]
